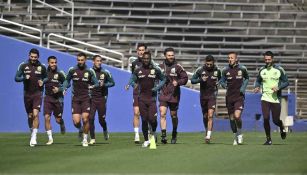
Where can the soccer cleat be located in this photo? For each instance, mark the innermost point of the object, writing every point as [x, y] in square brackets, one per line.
[63, 129]
[106, 135]
[50, 142]
[84, 143]
[145, 144]
[268, 142]
[92, 141]
[137, 138]
[207, 140]
[240, 139]
[33, 142]
[164, 140]
[235, 142]
[283, 134]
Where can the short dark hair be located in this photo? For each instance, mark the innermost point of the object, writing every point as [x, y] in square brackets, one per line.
[81, 54]
[141, 45]
[51, 57]
[169, 49]
[147, 53]
[232, 53]
[268, 53]
[209, 58]
[35, 51]
[96, 56]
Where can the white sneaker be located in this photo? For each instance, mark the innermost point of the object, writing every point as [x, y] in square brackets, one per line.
[137, 138]
[235, 142]
[145, 144]
[240, 139]
[84, 143]
[50, 142]
[92, 141]
[33, 142]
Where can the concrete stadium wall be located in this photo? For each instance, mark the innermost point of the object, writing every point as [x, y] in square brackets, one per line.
[119, 111]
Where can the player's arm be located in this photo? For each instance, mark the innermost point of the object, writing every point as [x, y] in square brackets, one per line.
[223, 81]
[246, 79]
[66, 83]
[196, 77]
[19, 76]
[109, 80]
[94, 80]
[258, 81]
[162, 81]
[133, 80]
[183, 76]
[62, 78]
[283, 79]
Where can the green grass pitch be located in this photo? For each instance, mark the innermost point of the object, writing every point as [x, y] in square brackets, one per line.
[120, 155]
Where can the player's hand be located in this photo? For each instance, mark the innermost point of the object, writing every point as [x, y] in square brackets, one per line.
[135, 86]
[40, 83]
[257, 89]
[55, 89]
[275, 89]
[27, 77]
[127, 87]
[175, 83]
[64, 92]
[204, 78]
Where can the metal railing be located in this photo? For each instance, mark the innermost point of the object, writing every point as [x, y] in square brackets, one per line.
[58, 9]
[40, 37]
[85, 51]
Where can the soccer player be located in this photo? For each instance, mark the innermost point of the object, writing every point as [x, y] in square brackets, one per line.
[54, 99]
[84, 79]
[145, 79]
[235, 79]
[99, 98]
[169, 96]
[141, 48]
[32, 73]
[208, 76]
[272, 79]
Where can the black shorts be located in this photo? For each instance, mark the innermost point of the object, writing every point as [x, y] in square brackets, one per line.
[32, 101]
[208, 103]
[53, 105]
[171, 106]
[81, 105]
[148, 110]
[234, 104]
[99, 105]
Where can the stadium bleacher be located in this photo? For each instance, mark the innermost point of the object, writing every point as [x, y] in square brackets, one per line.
[194, 28]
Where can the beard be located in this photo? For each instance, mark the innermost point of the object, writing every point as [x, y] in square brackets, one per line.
[81, 66]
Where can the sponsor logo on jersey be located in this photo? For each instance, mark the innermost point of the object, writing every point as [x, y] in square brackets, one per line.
[75, 73]
[228, 73]
[140, 72]
[27, 68]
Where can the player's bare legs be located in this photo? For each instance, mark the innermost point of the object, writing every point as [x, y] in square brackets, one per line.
[163, 111]
[209, 118]
[136, 123]
[175, 126]
[35, 125]
[238, 121]
[77, 123]
[86, 127]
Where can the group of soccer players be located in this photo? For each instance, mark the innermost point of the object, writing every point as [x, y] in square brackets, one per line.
[150, 81]
[90, 92]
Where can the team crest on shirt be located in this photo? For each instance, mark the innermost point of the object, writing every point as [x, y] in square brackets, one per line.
[102, 76]
[39, 68]
[215, 73]
[173, 70]
[86, 75]
[152, 71]
[239, 73]
[56, 76]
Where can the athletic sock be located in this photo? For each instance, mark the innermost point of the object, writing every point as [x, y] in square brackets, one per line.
[49, 133]
[136, 130]
[209, 134]
[163, 132]
[85, 136]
